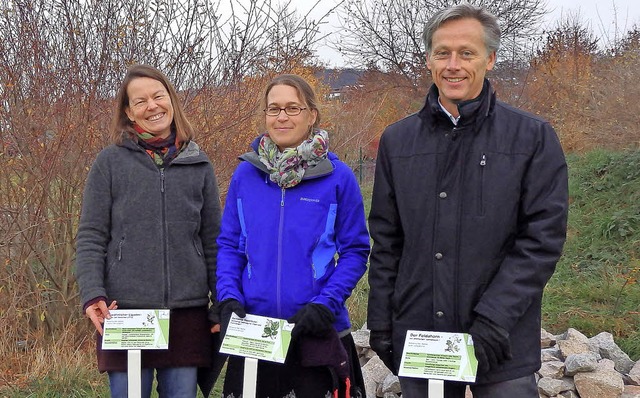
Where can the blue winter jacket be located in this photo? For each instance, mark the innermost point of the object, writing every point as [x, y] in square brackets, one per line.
[280, 249]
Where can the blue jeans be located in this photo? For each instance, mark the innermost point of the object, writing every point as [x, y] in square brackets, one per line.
[172, 382]
[523, 387]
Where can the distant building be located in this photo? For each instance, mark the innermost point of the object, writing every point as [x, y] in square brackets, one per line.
[340, 80]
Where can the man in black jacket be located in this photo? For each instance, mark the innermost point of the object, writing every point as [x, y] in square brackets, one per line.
[468, 216]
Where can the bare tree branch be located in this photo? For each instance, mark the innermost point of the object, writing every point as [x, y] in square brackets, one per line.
[387, 34]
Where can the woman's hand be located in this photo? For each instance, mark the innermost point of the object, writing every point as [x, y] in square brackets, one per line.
[312, 319]
[98, 312]
[215, 328]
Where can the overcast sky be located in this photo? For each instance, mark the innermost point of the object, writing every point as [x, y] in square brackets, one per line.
[604, 16]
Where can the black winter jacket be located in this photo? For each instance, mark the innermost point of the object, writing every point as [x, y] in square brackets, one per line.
[467, 220]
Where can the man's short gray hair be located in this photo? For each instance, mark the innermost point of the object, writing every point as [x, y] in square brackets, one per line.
[460, 11]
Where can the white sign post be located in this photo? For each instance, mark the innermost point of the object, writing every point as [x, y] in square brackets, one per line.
[136, 330]
[436, 388]
[134, 373]
[250, 380]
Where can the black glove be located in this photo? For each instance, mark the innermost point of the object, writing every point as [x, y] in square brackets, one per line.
[491, 344]
[380, 341]
[313, 319]
[227, 307]
[214, 313]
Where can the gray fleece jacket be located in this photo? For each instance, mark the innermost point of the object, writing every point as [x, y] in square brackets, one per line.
[147, 237]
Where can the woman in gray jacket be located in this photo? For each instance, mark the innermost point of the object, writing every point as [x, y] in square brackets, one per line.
[147, 234]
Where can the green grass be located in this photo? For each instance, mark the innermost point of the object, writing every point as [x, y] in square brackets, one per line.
[62, 383]
[594, 288]
[357, 303]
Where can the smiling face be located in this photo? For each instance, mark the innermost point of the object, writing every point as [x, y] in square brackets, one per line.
[459, 61]
[150, 106]
[288, 131]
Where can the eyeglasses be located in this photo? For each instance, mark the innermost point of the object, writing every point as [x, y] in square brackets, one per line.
[289, 110]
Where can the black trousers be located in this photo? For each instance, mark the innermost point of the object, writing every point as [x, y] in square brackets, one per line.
[291, 379]
[523, 387]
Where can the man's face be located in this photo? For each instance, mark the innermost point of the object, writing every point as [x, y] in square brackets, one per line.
[459, 61]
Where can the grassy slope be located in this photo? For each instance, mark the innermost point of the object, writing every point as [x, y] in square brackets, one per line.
[594, 288]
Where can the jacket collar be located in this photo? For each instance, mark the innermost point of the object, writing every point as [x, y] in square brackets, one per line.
[471, 111]
[190, 154]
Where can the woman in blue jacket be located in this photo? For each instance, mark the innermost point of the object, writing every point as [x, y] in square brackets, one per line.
[293, 244]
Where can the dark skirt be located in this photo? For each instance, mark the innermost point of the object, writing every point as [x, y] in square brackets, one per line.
[291, 379]
[189, 344]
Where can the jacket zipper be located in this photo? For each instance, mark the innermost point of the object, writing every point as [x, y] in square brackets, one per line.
[165, 257]
[165, 261]
[279, 262]
[483, 163]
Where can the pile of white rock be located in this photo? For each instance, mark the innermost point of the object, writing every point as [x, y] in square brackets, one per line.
[378, 379]
[573, 366]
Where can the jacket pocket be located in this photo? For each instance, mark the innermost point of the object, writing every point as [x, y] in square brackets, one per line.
[118, 256]
[325, 250]
[483, 164]
[468, 296]
[195, 245]
[246, 254]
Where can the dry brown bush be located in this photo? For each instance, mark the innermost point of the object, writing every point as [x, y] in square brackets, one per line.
[60, 64]
[584, 91]
[360, 115]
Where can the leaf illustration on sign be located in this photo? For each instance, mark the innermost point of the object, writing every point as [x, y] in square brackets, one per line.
[271, 329]
[452, 344]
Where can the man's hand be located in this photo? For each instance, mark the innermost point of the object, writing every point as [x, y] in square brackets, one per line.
[98, 312]
[491, 344]
[381, 342]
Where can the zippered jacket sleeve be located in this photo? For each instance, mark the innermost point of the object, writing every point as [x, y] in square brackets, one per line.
[231, 258]
[210, 228]
[94, 233]
[352, 241]
[388, 240]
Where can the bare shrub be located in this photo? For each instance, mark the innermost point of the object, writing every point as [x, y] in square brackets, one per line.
[387, 34]
[60, 64]
[583, 90]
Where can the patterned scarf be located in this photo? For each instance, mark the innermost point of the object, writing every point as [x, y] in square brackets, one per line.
[287, 168]
[161, 150]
